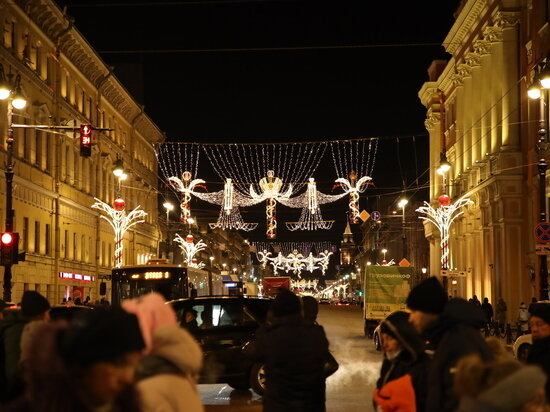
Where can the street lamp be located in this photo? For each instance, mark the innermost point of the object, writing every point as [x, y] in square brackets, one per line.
[15, 100]
[211, 258]
[169, 207]
[542, 83]
[402, 203]
[384, 251]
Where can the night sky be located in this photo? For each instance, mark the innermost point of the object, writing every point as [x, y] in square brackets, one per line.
[281, 71]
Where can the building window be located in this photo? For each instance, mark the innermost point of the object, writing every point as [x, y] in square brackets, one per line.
[37, 237]
[75, 246]
[66, 252]
[83, 250]
[47, 243]
[25, 233]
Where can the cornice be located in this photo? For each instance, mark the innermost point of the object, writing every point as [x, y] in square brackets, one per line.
[482, 47]
[506, 18]
[492, 34]
[472, 59]
[464, 24]
[427, 92]
[431, 121]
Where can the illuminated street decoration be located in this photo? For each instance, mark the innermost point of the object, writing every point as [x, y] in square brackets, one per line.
[304, 284]
[190, 249]
[353, 187]
[271, 192]
[295, 261]
[185, 186]
[229, 200]
[309, 201]
[442, 218]
[120, 222]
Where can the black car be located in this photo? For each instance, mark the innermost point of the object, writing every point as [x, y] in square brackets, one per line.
[224, 325]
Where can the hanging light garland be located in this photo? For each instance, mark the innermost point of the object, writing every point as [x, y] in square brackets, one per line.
[190, 249]
[120, 222]
[442, 218]
[295, 261]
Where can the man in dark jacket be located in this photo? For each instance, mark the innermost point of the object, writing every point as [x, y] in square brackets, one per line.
[487, 309]
[294, 354]
[539, 353]
[452, 329]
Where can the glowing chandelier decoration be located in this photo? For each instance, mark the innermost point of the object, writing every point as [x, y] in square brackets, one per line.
[442, 218]
[271, 191]
[295, 261]
[304, 284]
[311, 218]
[120, 222]
[190, 249]
[185, 186]
[353, 187]
[229, 200]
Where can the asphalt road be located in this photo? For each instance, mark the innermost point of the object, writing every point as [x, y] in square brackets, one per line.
[348, 390]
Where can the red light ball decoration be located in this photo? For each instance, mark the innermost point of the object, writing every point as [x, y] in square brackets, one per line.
[444, 200]
[189, 238]
[119, 204]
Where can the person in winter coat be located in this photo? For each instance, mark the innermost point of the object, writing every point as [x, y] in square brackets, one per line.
[15, 333]
[539, 352]
[502, 308]
[487, 309]
[501, 386]
[523, 318]
[452, 329]
[402, 383]
[87, 366]
[294, 354]
[167, 374]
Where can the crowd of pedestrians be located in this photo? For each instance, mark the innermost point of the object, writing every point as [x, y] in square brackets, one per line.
[138, 357]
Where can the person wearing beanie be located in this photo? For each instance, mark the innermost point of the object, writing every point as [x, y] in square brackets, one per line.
[452, 329]
[87, 366]
[539, 352]
[294, 354]
[501, 386]
[167, 374]
[404, 355]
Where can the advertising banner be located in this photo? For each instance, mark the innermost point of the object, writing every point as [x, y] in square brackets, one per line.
[386, 289]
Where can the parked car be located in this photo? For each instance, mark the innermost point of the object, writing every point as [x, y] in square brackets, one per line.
[376, 339]
[225, 326]
[521, 347]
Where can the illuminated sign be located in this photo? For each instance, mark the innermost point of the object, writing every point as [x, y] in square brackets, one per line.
[76, 276]
[156, 275]
[230, 284]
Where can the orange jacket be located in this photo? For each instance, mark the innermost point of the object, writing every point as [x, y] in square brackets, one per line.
[396, 396]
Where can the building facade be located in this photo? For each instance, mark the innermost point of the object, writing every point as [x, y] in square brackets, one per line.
[69, 249]
[478, 117]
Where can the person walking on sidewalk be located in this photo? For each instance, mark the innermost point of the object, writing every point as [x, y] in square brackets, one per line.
[501, 314]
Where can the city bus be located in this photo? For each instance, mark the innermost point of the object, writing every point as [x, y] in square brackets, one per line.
[171, 281]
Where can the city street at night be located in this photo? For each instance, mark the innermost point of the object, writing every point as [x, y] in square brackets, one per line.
[348, 390]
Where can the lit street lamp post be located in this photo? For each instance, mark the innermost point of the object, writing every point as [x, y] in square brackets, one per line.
[169, 207]
[538, 91]
[211, 258]
[402, 203]
[15, 100]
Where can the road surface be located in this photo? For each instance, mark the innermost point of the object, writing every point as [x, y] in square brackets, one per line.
[348, 390]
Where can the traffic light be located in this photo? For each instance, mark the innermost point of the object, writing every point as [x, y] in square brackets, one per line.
[9, 245]
[86, 140]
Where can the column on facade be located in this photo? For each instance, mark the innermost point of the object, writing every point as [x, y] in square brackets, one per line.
[494, 36]
[467, 120]
[458, 168]
[473, 60]
[482, 48]
[510, 87]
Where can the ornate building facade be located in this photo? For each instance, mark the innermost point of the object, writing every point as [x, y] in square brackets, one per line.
[475, 106]
[67, 83]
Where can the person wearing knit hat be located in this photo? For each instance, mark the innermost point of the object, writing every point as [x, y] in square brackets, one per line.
[33, 304]
[452, 329]
[501, 386]
[539, 352]
[294, 353]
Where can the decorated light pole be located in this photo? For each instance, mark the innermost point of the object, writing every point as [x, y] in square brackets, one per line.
[442, 218]
[185, 186]
[120, 221]
[353, 187]
[190, 249]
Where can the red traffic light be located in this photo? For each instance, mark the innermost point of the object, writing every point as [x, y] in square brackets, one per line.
[86, 140]
[7, 238]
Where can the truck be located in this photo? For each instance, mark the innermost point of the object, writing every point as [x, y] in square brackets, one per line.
[271, 284]
[385, 290]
